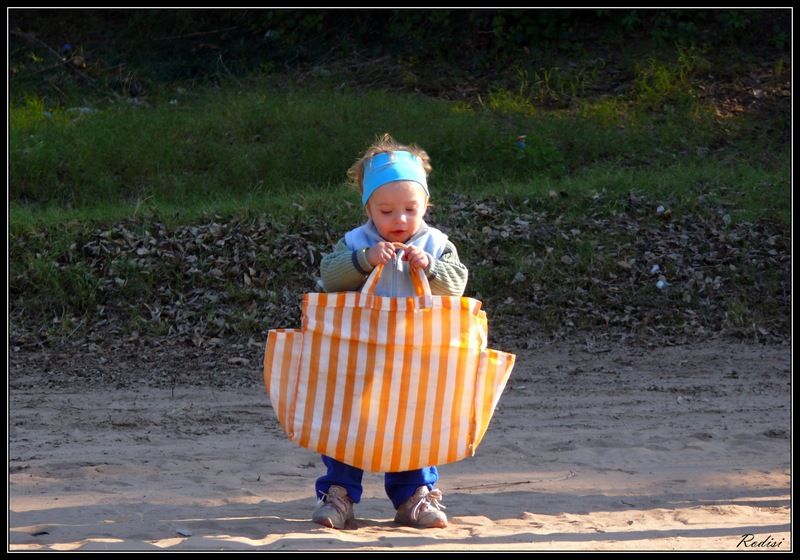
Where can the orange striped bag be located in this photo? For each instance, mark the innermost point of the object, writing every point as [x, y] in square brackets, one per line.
[386, 383]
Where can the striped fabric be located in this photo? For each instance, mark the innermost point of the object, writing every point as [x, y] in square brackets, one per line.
[386, 384]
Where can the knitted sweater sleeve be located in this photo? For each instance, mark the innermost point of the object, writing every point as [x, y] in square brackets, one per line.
[346, 270]
[339, 272]
[447, 275]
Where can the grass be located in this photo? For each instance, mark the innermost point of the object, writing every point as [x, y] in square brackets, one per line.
[254, 150]
[247, 148]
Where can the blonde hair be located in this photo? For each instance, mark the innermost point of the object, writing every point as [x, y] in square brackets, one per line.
[385, 143]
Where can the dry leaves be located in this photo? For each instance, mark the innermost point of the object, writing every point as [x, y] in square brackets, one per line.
[633, 274]
[539, 273]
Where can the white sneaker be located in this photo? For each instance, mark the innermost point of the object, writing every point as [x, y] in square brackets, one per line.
[335, 509]
[423, 510]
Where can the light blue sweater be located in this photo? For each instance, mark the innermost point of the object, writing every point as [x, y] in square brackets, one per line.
[347, 267]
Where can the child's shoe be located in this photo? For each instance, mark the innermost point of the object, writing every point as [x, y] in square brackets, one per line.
[335, 509]
[422, 510]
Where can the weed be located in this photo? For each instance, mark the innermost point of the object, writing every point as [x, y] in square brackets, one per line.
[557, 86]
[663, 87]
[509, 102]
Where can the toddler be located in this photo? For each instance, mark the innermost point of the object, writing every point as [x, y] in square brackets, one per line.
[392, 179]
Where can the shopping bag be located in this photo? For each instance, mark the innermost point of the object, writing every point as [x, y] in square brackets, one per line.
[386, 383]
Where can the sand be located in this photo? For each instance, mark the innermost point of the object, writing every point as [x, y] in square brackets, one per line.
[591, 448]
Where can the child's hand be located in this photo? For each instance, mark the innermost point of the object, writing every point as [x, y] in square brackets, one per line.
[380, 253]
[416, 257]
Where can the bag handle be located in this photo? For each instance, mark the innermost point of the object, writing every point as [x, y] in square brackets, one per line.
[421, 285]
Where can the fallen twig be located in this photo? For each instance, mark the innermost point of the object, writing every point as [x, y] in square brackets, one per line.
[570, 474]
[197, 34]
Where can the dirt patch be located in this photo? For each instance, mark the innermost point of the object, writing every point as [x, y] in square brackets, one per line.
[592, 447]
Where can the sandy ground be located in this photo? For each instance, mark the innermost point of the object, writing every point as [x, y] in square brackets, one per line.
[621, 448]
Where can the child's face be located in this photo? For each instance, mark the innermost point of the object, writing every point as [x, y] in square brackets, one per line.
[397, 209]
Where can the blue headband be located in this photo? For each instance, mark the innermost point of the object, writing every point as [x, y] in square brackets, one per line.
[392, 166]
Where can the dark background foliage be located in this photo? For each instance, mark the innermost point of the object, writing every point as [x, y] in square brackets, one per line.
[169, 44]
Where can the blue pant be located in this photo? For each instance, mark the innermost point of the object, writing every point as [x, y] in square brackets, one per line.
[400, 486]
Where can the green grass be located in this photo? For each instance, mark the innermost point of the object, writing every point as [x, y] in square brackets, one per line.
[255, 151]
[234, 143]
[254, 148]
